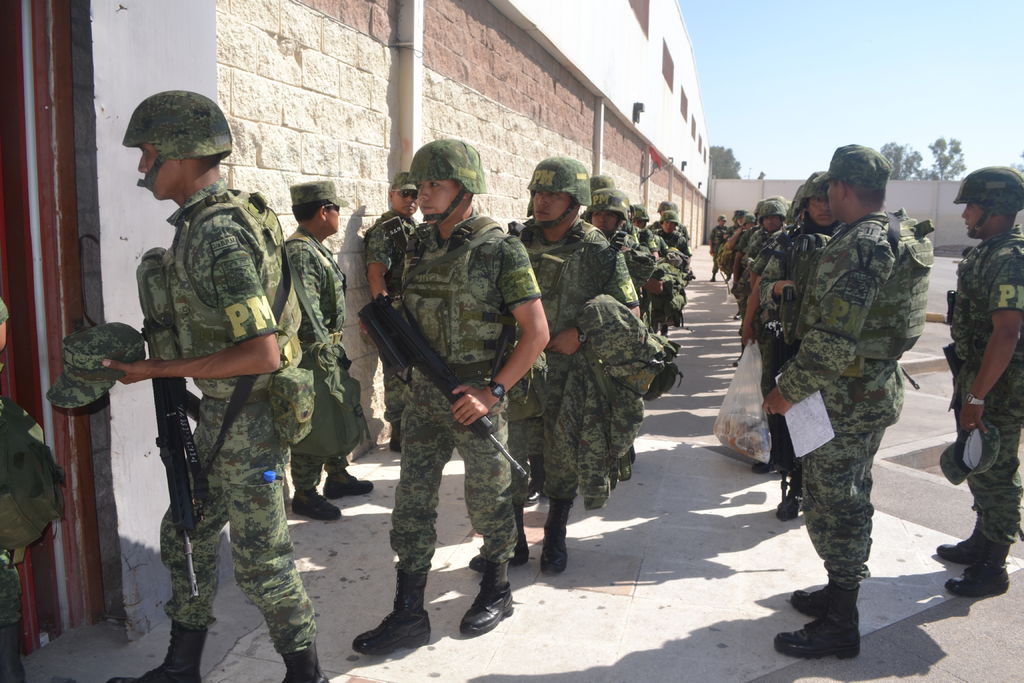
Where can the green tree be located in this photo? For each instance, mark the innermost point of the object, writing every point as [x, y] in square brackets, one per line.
[906, 162]
[723, 163]
[949, 160]
[1020, 167]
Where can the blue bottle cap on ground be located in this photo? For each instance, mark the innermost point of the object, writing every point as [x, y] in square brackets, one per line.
[270, 476]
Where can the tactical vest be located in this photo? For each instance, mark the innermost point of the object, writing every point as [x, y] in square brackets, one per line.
[559, 270]
[462, 325]
[897, 316]
[201, 327]
[798, 253]
[335, 290]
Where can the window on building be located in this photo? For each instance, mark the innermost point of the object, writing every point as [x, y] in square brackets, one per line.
[684, 104]
[667, 66]
[642, 10]
[693, 127]
[700, 144]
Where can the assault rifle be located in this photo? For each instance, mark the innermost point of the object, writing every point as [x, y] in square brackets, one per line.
[402, 346]
[180, 457]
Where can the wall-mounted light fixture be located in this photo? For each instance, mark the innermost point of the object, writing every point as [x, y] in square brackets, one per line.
[638, 108]
[682, 165]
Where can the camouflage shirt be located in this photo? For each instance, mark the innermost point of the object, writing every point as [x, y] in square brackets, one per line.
[314, 266]
[677, 239]
[388, 247]
[990, 279]
[719, 234]
[574, 270]
[861, 395]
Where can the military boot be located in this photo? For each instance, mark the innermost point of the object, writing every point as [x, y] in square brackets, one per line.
[811, 603]
[837, 633]
[968, 551]
[345, 484]
[522, 552]
[554, 556]
[985, 578]
[492, 604]
[395, 443]
[303, 667]
[181, 665]
[311, 504]
[407, 626]
[11, 670]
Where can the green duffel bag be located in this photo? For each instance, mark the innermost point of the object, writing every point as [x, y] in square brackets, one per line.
[338, 424]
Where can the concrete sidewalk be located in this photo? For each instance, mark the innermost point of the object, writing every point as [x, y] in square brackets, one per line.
[684, 576]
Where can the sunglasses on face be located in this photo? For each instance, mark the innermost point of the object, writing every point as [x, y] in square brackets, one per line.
[332, 207]
[409, 194]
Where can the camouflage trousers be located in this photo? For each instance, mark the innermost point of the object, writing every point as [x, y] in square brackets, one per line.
[561, 473]
[10, 590]
[997, 491]
[837, 504]
[394, 398]
[260, 545]
[526, 444]
[429, 435]
[306, 469]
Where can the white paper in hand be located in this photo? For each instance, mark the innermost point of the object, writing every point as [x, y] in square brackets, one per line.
[809, 426]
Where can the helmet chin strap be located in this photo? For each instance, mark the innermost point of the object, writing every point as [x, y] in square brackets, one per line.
[573, 205]
[149, 180]
[440, 217]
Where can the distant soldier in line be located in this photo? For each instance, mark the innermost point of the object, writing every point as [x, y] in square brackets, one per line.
[610, 214]
[645, 234]
[987, 318]
[316, 208]
[674, 233]
[385, 243]
[597, 182]
[736, 246]
[719, 234]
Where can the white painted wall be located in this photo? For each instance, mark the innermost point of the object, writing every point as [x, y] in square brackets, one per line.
[134, 45]
[921, 198]
[616, 56]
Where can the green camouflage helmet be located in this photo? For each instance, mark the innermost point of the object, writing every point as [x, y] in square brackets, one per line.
[84, 378]
[670, 215]
[562, 174]
[601, 182]
[813, 188]
[668, 206]
[997, 189]
[449, 160]
[748, 218]
[773, 206]
[181, 125]
[612, 200]
[639, 212]
[739, 213]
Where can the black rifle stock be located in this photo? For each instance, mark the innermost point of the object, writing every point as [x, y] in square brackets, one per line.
[179, 455]
[402, 346]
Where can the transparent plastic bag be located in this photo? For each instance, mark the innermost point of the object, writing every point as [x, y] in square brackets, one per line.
[741, 423]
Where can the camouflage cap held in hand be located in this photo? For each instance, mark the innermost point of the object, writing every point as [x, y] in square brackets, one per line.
[973, 453]
[859, 166]
[401, 181]
[84, 378]
[317, 192]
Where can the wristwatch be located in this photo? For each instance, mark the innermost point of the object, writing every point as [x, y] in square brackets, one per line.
[973, 400]
[582, 336]
[497, 390]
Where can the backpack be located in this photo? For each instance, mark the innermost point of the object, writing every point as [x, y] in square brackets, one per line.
[631, 356]
[30, 495]
[897, 317]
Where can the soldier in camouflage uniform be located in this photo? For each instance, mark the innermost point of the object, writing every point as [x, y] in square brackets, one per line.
[610, 214]
[222, 272]
[674, 233]
[385, 243]
[770, 216]
[466, 281]
[645, 234]
[783, 269]
[597, 182]
[863, 396]
[10, 585]
[317, 209]
[573, 264]
[738, 245]
[666, 291]
[987, 320]
[719, 234]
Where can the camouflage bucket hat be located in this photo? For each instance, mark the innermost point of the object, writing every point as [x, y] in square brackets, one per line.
[84, 378]
[973, 453]
[181, 125]
[639, 212]
[859, 166]
[999, 189]
[615, 201]
[562, 174]
[319, 192]
[670, 215]
[401, 181]
[449, 159]
[668, 206]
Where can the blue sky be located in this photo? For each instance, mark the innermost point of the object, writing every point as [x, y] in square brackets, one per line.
[786, 82]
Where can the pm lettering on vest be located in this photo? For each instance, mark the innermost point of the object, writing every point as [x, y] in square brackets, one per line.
[255, 308]
[1010, 296]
